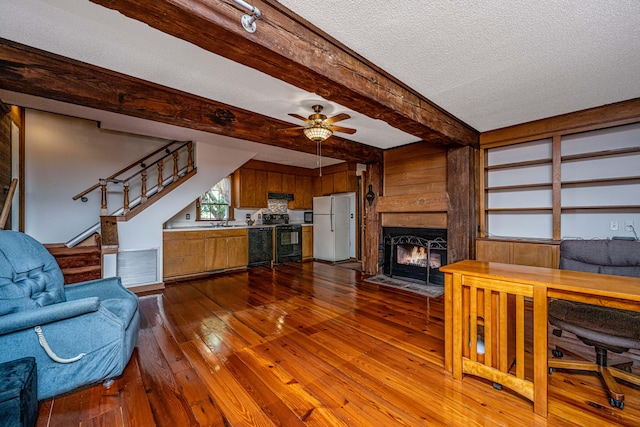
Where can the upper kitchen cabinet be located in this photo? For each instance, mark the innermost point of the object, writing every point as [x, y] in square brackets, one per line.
[274, 182]
[250, 188]
[340, 178]
[303, 193]
[255, 179]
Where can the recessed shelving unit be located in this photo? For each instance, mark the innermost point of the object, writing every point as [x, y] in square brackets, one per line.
[573, 178]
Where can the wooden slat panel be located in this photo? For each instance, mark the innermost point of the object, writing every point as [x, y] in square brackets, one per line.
[488, 328]
[503, 336]
[520, 361]
[473, 323]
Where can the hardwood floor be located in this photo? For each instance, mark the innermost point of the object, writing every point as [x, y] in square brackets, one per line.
[309, 344]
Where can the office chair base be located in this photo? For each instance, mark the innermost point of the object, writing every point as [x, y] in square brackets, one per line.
[606, 373]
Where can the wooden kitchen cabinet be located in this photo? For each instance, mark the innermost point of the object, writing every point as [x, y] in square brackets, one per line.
[226, 249]
[307, 242]
[289, 183]
[183, 253]
[274, 182]
[303, 193]
[196, 252]
[250, 187]
[237, 251]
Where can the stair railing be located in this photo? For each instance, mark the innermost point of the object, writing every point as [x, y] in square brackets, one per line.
[139, 162]
[137, 183]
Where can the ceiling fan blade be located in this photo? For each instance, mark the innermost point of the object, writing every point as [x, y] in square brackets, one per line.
[297, 116]
[293, 128]
[337, 118]
[341, 129]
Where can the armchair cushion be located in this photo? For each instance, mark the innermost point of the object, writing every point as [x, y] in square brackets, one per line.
[29, 275]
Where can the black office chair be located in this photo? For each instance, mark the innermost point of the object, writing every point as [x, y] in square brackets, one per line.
[606, 329]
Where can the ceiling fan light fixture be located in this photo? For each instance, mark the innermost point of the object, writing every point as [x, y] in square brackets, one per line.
[317, 132]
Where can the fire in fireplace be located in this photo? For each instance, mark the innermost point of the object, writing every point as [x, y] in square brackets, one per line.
[415, 253]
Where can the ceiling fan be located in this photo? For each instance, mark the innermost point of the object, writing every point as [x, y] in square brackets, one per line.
[319, 127]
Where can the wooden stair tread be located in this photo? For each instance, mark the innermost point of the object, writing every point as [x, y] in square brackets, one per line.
[64, 251]
[84, 269]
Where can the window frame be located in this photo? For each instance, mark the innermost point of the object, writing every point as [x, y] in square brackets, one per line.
[230, 210]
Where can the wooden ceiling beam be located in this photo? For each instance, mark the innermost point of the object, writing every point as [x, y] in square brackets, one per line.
[28, 70]
[291, 49]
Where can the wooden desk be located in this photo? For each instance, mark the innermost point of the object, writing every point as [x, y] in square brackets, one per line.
[495, 293]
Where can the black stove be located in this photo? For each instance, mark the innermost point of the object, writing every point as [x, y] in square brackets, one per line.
[275, 219]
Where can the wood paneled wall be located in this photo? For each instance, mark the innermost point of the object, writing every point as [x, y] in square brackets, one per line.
[5, 154]
[415, 169]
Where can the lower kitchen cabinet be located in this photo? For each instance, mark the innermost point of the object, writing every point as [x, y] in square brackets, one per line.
[182, 253]
[307, 242]
[195, 252]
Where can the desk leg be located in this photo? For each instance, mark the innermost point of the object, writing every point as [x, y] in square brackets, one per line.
[540, 352]
[448, 326]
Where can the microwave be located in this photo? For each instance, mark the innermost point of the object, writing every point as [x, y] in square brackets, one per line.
[308, 217]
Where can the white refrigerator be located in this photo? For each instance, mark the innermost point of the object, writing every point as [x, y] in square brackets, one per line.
[331, 228]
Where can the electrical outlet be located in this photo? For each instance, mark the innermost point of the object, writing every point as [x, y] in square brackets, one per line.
[613, 226]
[188, 216]
[247, 216]
[628, 226]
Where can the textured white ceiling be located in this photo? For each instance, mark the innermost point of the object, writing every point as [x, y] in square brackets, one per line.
[494, 63]
[491, 63]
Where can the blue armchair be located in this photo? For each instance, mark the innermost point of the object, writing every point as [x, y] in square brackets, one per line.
[79, 334]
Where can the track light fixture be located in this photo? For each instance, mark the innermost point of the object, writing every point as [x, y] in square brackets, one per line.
[249, 21]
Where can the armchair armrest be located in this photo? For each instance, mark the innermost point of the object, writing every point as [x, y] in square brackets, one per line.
[50, 313]
[110, 287]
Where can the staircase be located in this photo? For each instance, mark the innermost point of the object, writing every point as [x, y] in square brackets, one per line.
[80, 258]
[80, 263]
[140, 189]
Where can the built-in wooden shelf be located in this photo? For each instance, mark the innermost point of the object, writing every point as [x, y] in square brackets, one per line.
[519, 164]
[527, 209]
[603, 153]
[602, 181]
[609, 208]
[519, 186]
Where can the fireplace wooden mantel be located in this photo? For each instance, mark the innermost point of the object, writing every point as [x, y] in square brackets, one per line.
[424, 202]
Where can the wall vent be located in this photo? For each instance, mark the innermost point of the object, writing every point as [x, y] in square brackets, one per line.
[137, 267]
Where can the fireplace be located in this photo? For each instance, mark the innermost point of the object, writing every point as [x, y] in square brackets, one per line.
[415, 253]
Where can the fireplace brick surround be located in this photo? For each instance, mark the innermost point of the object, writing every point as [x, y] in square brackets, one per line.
[415, 254]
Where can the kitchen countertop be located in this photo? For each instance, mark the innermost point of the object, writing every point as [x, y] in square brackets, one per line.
[229, 227]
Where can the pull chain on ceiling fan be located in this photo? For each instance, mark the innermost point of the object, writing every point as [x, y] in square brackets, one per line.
[319, 128]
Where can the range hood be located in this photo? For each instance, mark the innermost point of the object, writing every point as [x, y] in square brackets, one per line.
[280, 196]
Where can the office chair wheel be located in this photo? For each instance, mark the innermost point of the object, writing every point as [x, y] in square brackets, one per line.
[557, 353]
[616, 403]
[497, 386]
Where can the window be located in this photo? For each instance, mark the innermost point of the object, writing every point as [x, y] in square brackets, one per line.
[215, 204]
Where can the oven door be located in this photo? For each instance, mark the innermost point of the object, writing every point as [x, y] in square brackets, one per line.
[288, 243]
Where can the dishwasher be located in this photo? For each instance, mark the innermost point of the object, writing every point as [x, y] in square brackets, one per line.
[260, 246]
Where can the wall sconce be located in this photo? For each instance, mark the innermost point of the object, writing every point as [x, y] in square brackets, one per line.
[370, 195]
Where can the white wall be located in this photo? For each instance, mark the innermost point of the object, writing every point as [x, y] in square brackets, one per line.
[66, 155]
